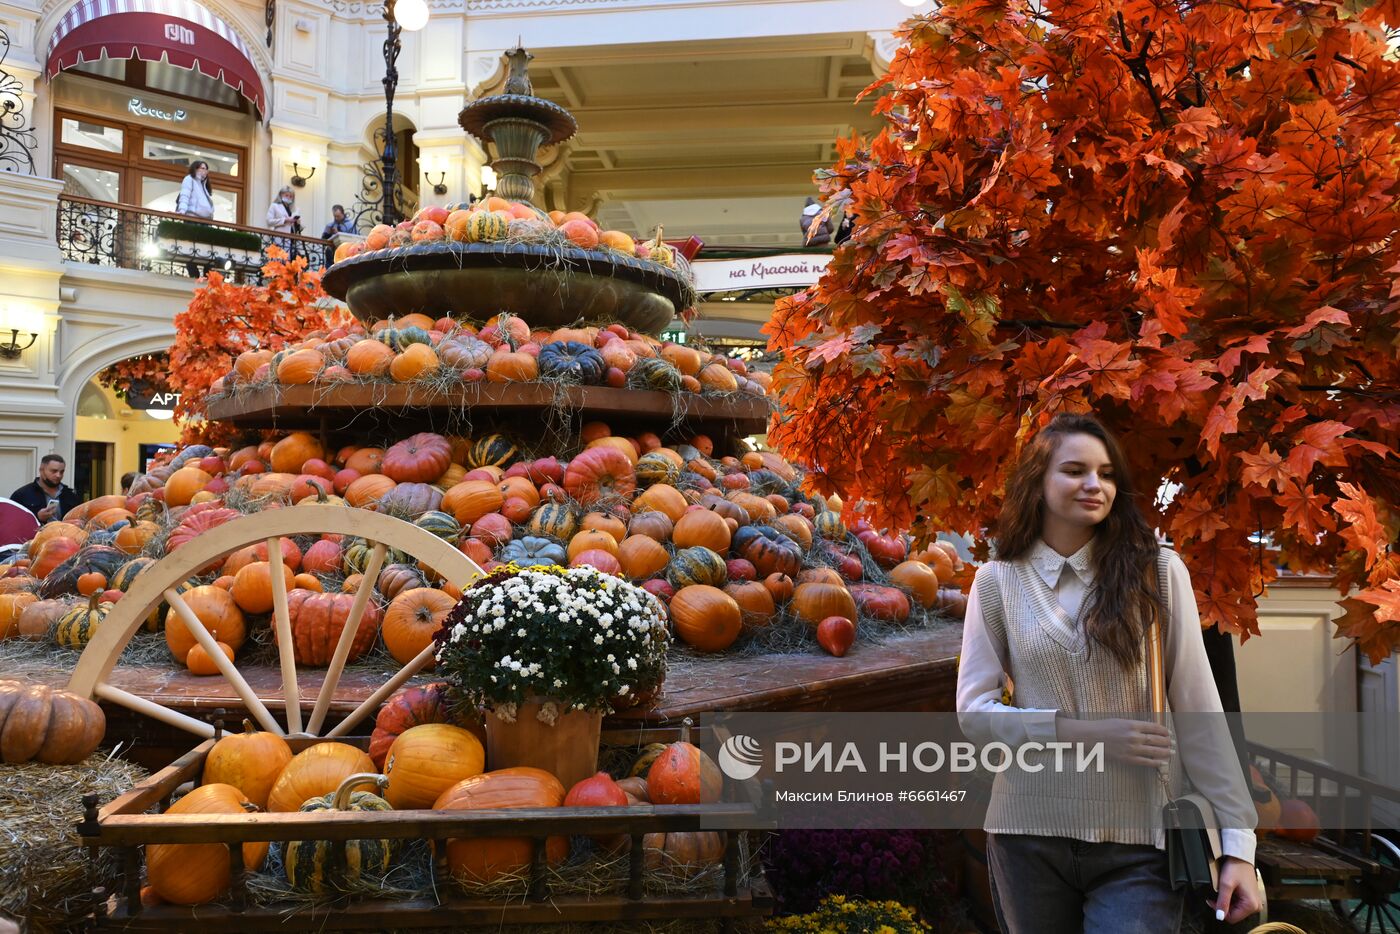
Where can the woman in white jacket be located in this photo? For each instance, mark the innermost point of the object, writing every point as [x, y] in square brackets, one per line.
[196, 200]
[282, 217]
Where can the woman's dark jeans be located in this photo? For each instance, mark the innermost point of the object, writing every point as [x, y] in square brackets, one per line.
[1055, 885]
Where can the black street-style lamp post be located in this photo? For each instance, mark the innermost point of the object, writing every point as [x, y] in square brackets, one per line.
[400, 15]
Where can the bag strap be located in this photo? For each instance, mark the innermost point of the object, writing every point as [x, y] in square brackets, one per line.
[1156, 665]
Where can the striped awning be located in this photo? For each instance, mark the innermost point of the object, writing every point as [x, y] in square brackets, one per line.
[181, 32]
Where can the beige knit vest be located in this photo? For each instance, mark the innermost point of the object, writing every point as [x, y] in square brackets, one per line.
[1053, 667]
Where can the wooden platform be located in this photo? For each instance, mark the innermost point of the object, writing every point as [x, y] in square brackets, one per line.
[911, 673]
[356, 405]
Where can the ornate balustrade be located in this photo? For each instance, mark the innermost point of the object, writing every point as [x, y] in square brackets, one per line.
[127, 237]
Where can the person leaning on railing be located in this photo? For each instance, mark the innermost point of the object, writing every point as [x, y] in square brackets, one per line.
[196, 200]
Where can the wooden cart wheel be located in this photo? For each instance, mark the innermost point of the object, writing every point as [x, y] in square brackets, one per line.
[1377, 910]
[159, 582]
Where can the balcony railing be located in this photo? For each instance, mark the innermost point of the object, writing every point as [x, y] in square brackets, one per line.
[127, 237]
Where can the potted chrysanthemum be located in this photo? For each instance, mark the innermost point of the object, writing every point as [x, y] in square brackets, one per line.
[546, 652]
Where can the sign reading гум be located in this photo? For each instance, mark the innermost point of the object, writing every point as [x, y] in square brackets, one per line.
[767, 272]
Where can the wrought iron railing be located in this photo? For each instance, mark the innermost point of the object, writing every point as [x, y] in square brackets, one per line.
[127, 237]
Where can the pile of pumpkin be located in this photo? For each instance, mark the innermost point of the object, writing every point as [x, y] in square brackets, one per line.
[496, 219]
[421, 755]
[416, 348]
[729, 544]
[1288, 818]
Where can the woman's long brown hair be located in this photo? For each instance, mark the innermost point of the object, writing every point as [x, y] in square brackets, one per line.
[1124, 600]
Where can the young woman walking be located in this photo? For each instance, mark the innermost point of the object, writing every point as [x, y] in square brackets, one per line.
[1064, 615]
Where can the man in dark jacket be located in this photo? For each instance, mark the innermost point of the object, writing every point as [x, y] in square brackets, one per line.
[47, 497]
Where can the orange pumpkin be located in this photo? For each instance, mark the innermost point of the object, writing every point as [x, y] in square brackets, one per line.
[663, 498]
[252, 586]
[592, 539]
[814, 601]
[426, 760]
[605, 523]
[756, 604]
[11, 608]
[296, 449]
[716, 377]
[315, 771]
[91, 583]
[486, 859]
[368, 490]
[684, 774]
[706, 617]
[132, 539]
[508, 366]
[520, 488]
[472, 499]
[199, 661]
[369, 357]
[365, 461]
[55, 552]
[797, 528]
[702, 527]
[623, 445]
[417, 361]
[918, 579]
[247, 363]
[216, 609]
[196, 873]
[686, 359]
[249, 761]
[641, 557]
[300, 367]
[412, 619]
[183, 484]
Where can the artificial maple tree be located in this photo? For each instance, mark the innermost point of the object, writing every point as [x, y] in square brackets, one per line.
[224, 319]
[1180, 217]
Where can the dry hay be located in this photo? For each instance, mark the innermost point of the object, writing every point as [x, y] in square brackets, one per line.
[45, 877]
[43, 661]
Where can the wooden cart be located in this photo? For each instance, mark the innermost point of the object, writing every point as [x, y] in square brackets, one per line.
[1356, 868]
[739, 890]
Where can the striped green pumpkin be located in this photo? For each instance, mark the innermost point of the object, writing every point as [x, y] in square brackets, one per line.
[307, 863]
[492, 451]
[355, 557]
[440, 524]
[485, 226]
[657, 468]
[76, 628]
[696, 565]
[399, 338]
[553, 520]
[829, 525]
[126, 575]
[654, 373]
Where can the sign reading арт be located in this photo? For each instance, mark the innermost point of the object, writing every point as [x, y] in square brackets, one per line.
[767, 272]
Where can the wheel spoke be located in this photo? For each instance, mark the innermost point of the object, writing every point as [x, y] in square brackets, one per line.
[291, 695]
[1356, 911]
[1385, 907]
[156, 711]
[387, 688]
[347, 637]
[226, 667]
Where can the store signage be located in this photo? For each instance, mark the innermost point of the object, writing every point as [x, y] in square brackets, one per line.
[143, 397]
[176, 32]
[141, 109]
[767, 272]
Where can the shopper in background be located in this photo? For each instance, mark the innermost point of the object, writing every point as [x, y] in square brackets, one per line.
[339, 224]
[47, 497]
[821, 235]
[128, 479]
[196, 199]
[283, 218]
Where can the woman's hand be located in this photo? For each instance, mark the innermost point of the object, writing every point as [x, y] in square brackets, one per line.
[1131, 742]
[1238, 897]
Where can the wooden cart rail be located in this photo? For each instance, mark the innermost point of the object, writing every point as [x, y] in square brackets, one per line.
[125, 824]
[1350, 788]
[1348, 864]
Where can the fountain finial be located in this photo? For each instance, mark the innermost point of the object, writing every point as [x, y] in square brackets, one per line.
[518, 123]
[518, 76]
